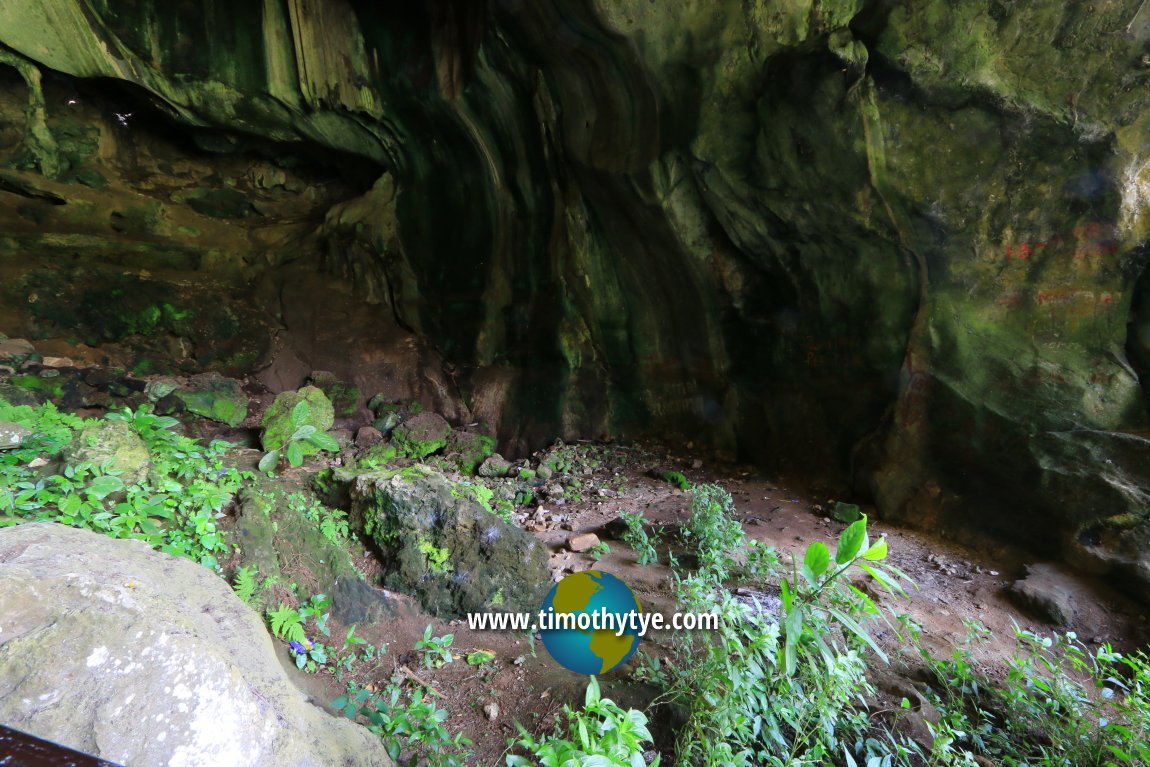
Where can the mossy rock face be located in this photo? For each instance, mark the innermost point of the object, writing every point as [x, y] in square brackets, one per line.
[468, 449]
[277, 421]
[214, 397]
[421, 435]
[345, 397]
[444, 548]
[277, 538]
[111, 442]
[12, 435]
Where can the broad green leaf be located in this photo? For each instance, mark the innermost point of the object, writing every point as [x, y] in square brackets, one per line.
[302, 432]
[877, 552]
[818, 558]
[300, 413]
[269, 462]
[102, 487]
[324, 442]
[295, 454]
[851, 542]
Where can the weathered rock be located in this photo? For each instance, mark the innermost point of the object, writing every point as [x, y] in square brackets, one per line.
[140, 658]
[12, 435]
[113, 443]
[1048, 593]
[421, 435]
[213, 396]
[583, 542]
[344, 396]
[277, 421]
[445, 548]
[468, 449]
[367, 436]
[272, 529]
[495, 466]
[16, 350]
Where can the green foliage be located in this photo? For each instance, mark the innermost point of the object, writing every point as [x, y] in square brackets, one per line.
[602, 734]
[760, 691]
[636, 537]
[437, 558]
[287, 623]
[408, 723]
[1061, 705]
[676, 478]
[599, 550]
[303, 434]
[245, 583]
[434, 652]
[174, 508]
[332, 523]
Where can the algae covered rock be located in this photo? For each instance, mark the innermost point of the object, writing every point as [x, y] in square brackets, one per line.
[279, 426]
[421, 435]
[445, 548]
[286, 533]
[142, 658]
[215, 397]
[111, 443]
[468, 449]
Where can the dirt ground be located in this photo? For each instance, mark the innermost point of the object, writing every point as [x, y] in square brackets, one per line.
[955, 582]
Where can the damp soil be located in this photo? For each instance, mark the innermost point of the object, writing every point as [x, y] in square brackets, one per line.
[955, 583]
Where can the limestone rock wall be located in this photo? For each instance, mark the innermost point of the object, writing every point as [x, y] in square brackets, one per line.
[900, 244]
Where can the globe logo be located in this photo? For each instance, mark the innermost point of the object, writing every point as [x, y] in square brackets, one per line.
[589, 622]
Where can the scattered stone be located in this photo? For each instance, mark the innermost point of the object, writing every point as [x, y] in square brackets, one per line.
[277, 421]
[1048, 593]
[16, 350]
[111, 442]
[420, 436]
[697, 464]
[495, 466]
[847, 513]
[368, 436]
[12, 435]
[579, 543]
[58, 362]
[491, 710]
[138, 657]
[544, 472]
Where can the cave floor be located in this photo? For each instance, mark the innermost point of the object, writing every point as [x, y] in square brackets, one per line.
[954, 583]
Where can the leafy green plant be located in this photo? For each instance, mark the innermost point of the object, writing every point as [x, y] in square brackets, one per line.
[636, 537]
[599, 550]
[304, 433]
[408, 723]
[437, 558]
[763, 692]
[245, 584]
[332, 523]
[175, 507]
[676, 478]
[434, 652]
[602, 734]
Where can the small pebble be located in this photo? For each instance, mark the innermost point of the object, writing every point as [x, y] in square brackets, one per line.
[491, 710]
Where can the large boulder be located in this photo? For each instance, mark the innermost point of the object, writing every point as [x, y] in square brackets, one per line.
[445, 547]
[421, 435]
[213, 396]
[140, 658]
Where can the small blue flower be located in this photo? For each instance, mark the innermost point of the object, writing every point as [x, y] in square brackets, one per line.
[298, 647]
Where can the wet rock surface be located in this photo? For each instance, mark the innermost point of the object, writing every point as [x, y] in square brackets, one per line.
[142, 658]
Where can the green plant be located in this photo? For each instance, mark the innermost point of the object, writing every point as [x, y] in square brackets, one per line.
[599, 550]
[332, 523]
[437, 558]
[245, 583]
[303, 433]
[676, 478]
[1061, 705]
[434, 652]
[761, 692]
[602, 734]
[636, 537]
[407, 722]
[174, 508]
